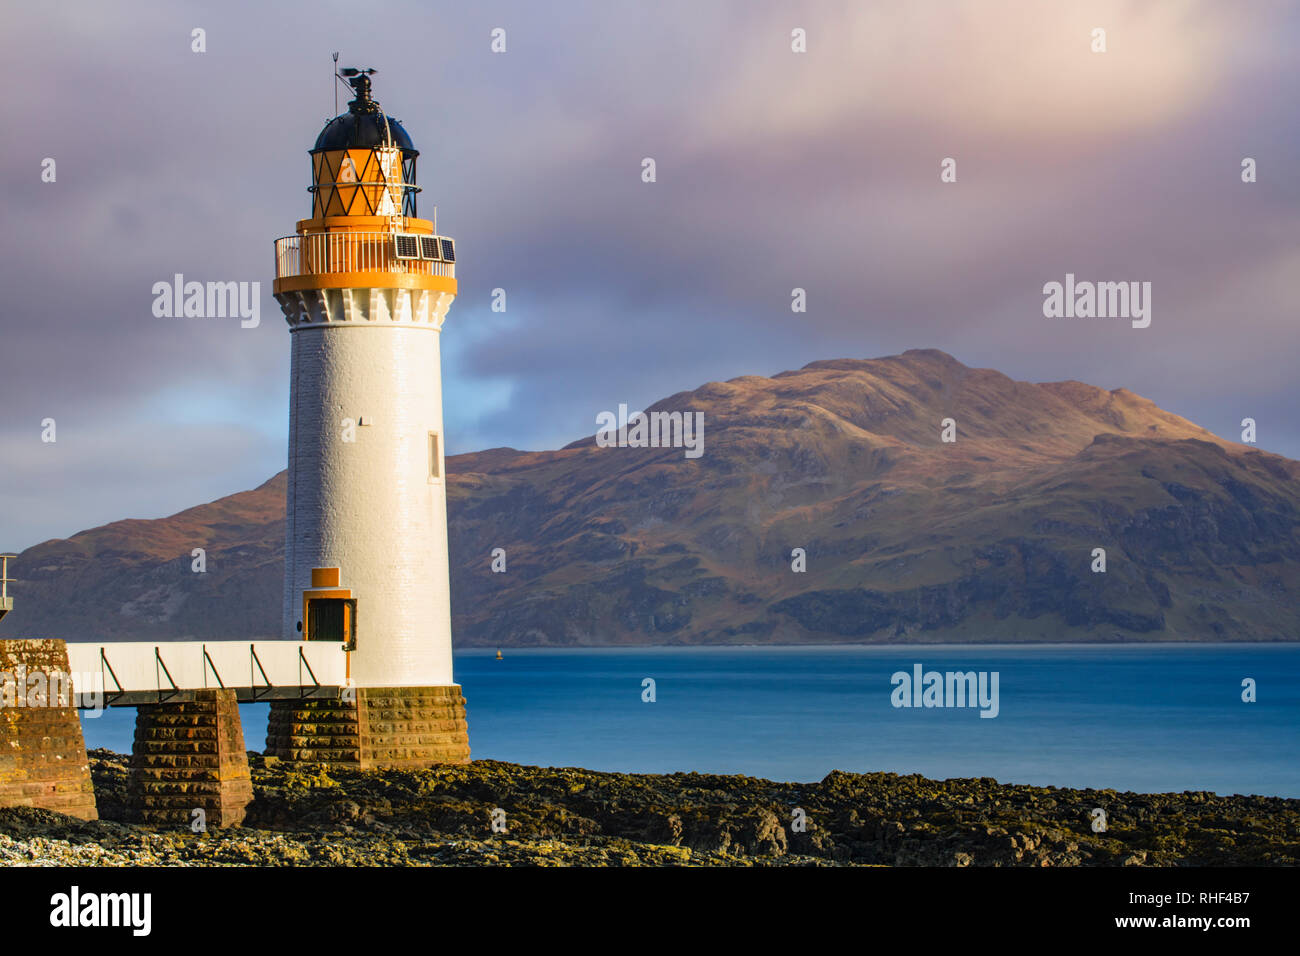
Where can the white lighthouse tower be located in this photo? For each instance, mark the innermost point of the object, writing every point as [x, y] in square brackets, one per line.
[365, 286]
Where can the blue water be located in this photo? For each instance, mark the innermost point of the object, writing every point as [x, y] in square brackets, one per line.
[1130, 717]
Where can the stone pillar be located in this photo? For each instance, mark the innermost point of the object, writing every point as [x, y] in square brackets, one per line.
[42, 751]
[189, 755]
[402, 728]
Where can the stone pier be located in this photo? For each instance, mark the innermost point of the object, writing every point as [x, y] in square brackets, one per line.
[42, 752]
[189, 755]
[377, 728]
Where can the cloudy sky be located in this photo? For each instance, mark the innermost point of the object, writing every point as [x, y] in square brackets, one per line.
[775, 170]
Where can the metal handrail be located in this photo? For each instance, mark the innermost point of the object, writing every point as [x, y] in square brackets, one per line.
[159, 662]
[121, 691]
[215, 673]
[379, 183]
[326, 253]
[252, 649]
[6, 602]
[303, 662]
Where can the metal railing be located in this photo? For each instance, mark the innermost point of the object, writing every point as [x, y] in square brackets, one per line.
[139, 672]
[334, 252]
[6, 600]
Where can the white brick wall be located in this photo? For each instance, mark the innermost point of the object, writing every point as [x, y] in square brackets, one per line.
[368, 507]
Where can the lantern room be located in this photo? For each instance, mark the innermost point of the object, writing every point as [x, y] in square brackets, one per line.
[363, 232]
[363, 163]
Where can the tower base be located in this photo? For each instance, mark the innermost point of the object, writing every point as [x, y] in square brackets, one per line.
[189, 755]
[42, 751]
[399, 728]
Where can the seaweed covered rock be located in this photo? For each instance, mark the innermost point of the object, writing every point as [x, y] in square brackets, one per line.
[501, 814]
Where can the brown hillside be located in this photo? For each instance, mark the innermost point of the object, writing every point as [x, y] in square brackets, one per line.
[907, 538]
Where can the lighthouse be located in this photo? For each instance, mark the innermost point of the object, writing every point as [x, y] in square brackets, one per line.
[365, 285]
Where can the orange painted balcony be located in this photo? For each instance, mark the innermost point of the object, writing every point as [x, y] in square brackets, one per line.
[336, 253]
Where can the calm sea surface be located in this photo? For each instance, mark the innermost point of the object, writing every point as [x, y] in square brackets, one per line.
[1130, 717]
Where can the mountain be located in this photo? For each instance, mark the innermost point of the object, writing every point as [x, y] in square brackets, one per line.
[906, 537]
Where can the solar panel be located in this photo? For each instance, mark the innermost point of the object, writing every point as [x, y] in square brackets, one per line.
[406, 247]
[448, 250]
[428, 247]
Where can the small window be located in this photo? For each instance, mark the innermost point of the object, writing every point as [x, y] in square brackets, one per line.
[435, 461]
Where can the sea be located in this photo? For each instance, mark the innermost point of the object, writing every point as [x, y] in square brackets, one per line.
[1138, 717]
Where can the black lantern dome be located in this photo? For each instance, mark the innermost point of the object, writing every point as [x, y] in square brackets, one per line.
[364, 125]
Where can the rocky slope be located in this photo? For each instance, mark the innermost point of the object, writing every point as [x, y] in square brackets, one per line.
[907, 537]
[558, 816]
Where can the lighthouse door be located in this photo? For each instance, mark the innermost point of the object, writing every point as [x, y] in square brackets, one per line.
[332, 619]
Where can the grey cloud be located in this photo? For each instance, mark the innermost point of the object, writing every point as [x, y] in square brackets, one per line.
[621, 291]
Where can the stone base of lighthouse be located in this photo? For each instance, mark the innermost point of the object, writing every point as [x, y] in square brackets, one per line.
[379, 728]
[189, 755]
[42, 751]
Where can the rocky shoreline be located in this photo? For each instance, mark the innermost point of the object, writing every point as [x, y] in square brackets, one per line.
[568, 816]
